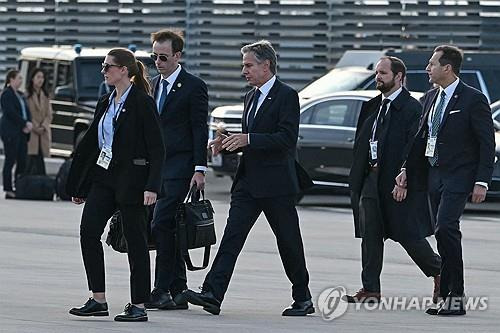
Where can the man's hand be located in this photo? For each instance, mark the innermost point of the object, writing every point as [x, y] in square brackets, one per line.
[216, 144]
[149, 198]
[478, 194]
[401, 179]
[399, 193]
[235, 141]
[199, 180]
[77, 201]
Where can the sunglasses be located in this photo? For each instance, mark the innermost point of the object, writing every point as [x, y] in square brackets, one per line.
[162, 57]
[106, 66]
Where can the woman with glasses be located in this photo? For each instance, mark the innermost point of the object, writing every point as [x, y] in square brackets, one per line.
[41, 115]
[117, 166]
[15, 127]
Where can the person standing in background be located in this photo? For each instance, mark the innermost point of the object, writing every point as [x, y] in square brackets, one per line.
[41, 116]
[15, 127]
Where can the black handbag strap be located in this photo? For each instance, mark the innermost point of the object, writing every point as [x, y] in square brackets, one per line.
[181, 236]
[192, 192]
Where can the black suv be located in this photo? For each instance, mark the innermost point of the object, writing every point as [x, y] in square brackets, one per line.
[73, 80]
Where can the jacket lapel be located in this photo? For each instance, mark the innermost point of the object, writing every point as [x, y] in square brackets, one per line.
[451, 103]
[427, 109]
[246, 110]
[124, 111]
[266, 103]
[175, 90]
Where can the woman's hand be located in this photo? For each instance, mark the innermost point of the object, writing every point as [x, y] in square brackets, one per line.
[77, 201]
[149, 198]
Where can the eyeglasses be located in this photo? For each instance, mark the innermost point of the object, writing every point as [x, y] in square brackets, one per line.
[106, 66]
[162, 57]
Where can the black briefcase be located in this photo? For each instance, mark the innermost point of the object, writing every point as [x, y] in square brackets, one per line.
[115, 237]
[35, 187]
[195, 227]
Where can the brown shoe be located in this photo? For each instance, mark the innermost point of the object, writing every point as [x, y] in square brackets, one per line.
[362, 296]
[435, 293]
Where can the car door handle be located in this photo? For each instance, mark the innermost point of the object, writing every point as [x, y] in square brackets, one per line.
[300, 137]
[350, 139]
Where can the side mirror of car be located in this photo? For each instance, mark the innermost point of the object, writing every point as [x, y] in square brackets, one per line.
[64, 93]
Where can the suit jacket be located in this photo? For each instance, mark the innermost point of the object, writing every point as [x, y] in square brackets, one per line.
[403, 221]
[268, 162]
[465, 142]
[12, 122]
[137, 137]
[184, 124]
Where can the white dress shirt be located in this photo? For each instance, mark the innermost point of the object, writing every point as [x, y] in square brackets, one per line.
[264, 91]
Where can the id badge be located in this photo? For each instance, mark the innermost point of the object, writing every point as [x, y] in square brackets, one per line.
[105, 158]
[431, 146]
[373, 149]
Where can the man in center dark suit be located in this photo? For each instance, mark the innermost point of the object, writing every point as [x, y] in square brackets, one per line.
[385, 131]
[267, 180]
[452, 156]
[182, 101]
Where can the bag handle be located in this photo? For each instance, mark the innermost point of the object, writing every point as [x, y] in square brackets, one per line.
[192, 191]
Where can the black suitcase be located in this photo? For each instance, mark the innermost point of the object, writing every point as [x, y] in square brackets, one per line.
[62, 179]
[35, 187]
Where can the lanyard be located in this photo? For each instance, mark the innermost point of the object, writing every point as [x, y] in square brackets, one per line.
[115, 117]
[375, 123]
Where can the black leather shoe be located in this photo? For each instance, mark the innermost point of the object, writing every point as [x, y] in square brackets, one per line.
[160, 300]
[299, 309]
[434, 310]
[181, 302]
[452, 306]
[205, 299]
[91, 308]
[132, 313]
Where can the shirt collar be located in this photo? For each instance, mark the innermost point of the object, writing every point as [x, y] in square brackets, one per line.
[124, 96]
[266, 87]
[171, 79]
[394, 95]
[450, 89]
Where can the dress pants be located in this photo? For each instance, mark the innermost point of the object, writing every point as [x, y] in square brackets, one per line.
[447, 207]
[99, 207]
[15, 150]
[283, 219]
[372, 244]
[170, 268]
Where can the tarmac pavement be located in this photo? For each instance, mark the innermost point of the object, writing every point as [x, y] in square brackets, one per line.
[42, 275]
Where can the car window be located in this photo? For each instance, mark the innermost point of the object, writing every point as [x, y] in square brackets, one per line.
[305, 116]
[48, 67]
[333, 113]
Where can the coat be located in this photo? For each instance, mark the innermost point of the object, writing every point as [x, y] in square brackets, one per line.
[137, 138]
[41, 116]
[403, 221]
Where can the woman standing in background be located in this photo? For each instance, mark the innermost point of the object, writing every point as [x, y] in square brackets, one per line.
[15, 127]
[41, 117]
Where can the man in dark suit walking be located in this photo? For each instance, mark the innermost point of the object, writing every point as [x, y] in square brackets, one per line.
[452, 156]
[266, 181]
[385, 131]
[182, 101]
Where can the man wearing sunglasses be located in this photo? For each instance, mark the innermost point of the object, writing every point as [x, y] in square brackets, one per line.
[182, 101]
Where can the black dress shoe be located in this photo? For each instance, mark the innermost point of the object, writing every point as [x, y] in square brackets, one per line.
[205, 299]
[160, 300]
[132, 313]
[434, 310]
[181, 302]
[299, 309]
[91, 308]
[452, 306]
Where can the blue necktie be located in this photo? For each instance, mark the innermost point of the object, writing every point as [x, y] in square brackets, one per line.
[251, 115]
[436, 121]
[163, 97]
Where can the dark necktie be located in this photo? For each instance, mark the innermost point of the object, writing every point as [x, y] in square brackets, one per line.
[163, 97]
[251, 115]
[381, 117]
[436, 121]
